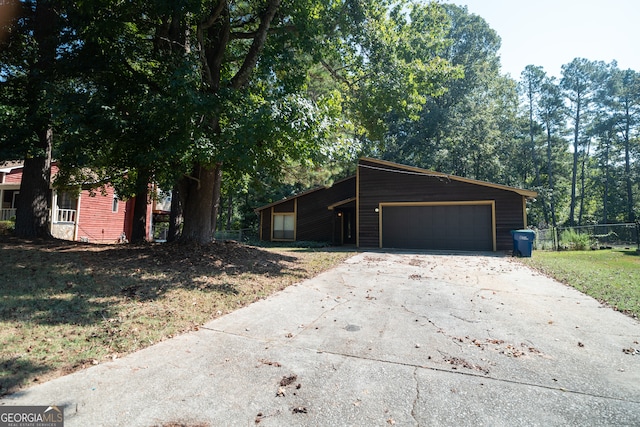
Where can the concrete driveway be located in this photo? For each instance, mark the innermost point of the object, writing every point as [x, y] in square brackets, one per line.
[411, 339]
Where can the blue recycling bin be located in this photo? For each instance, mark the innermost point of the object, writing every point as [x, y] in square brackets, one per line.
[523, 242]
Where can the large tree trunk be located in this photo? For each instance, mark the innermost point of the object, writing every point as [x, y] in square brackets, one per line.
[140, 208]
[202, 195]
[199, 205]
[34, 202]
[32, 216]
[175, 216]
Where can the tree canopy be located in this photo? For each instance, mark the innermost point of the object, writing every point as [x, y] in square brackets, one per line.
[237, 103]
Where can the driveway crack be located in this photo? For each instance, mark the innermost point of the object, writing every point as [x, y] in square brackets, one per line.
[463, 319]
[414, 408]
[484, 375]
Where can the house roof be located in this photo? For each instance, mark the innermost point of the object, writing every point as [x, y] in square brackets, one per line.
[295, 196]
[7, 167]
[341, 203]
[85, 178]
[385, 165]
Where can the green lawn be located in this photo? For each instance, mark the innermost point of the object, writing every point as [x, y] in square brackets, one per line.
[610, 276]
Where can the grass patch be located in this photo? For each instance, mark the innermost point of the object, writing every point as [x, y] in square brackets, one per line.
[65, 305]
[610, 276]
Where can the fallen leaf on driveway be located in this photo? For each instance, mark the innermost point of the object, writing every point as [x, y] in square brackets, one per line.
[456, 361]
[285, 381]
[270, 363]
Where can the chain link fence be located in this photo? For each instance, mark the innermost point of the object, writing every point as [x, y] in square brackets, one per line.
[244, 235]
[598, 236]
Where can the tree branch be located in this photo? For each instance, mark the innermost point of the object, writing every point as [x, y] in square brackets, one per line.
[211, 73]
[213, 17]
[243, 74]
[334, 74]
[239, 35]
[208, 78]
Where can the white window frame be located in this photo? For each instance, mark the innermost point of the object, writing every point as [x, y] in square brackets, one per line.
[68, 212]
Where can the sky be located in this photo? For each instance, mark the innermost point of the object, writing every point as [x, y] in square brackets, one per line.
[550, 33]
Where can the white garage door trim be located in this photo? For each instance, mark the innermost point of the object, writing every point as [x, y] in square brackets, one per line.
[491, 203]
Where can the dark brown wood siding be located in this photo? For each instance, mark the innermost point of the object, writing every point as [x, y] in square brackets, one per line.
[265, 225]
[314, 220]
[384, 184]
[286, 206]
[509, 216]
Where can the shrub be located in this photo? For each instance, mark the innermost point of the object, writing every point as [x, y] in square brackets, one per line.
[575, 241]
[7, 227]
[300, 244]
[310, 244]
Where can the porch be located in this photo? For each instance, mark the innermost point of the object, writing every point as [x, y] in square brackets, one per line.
[8, 202]
[60, 215]
[7, 214]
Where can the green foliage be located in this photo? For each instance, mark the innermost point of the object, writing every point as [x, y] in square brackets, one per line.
[7, 227]
[300, 244]
[389, 63]
[467, 129]
[142, 91]
[575, 241]
[35, 56]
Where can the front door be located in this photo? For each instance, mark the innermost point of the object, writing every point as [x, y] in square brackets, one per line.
[348, 226]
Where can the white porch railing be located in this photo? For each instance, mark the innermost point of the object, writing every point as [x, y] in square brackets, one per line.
[65, 215]
[62, 215]
[7, 214]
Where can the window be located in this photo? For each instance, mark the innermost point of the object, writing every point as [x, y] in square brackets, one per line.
[67, 201]
[114, 206]
[283, 226]
[9, 199]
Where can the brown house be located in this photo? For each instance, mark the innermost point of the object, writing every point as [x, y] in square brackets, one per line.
[388, 205]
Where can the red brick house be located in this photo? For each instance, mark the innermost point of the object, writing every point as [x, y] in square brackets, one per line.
[97, 217]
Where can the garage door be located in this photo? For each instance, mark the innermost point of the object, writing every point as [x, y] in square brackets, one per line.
[450, 227]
